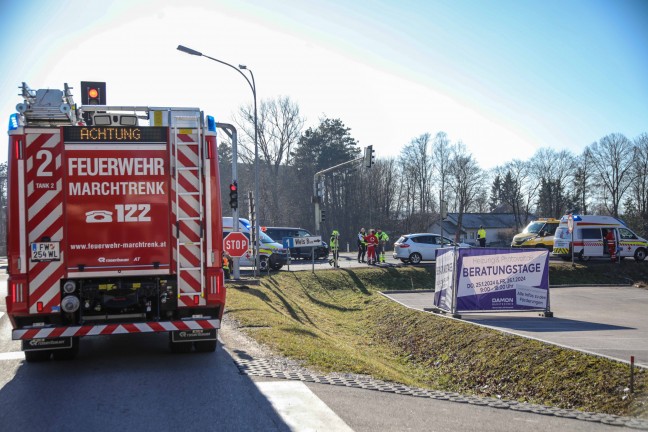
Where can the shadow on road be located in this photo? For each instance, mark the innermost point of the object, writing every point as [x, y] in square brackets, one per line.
[541, 324]
[132, 382]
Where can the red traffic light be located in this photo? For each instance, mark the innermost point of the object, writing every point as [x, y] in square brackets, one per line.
[233, 187]
[93, 93]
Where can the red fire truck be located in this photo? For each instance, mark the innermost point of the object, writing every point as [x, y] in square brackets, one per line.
[114, 223]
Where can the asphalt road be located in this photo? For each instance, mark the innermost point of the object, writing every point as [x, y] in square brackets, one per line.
[607, 321]
[133, 383]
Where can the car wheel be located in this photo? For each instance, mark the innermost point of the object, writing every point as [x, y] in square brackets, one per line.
[640, 254]
[263, 263]
[415, 258]
[274, 263]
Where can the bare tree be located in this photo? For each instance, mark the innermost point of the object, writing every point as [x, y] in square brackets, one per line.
[611, 162]
[519, 189]
[279, 129]
[465, 180]
[441, 155]
[553, 171]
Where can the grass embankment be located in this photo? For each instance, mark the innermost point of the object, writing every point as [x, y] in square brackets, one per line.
[335, 321]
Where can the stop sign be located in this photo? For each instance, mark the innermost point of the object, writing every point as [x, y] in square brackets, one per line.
[236, 244]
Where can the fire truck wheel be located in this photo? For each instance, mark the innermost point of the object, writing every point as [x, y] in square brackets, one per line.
[67, 354]
[205, 346]
[179, 347]
[37, 356]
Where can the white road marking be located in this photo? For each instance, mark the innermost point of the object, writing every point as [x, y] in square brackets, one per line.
[300, 408]
[15, 355]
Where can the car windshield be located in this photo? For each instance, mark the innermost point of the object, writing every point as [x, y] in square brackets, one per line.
[265, 238]
[533, 228]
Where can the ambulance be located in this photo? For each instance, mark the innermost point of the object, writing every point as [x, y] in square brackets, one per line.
[538, 234]
[589, 238]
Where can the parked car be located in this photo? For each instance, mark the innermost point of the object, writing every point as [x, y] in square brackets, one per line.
[278, 233]
[414, 248]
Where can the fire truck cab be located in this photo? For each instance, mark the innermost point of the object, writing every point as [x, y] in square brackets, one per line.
[114, 224]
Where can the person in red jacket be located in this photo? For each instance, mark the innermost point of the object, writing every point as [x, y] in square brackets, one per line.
[372, 244]
[611, 244]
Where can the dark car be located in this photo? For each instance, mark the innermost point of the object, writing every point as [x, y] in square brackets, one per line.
[279, 233]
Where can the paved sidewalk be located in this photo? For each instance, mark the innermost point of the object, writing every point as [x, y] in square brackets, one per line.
[607, 321]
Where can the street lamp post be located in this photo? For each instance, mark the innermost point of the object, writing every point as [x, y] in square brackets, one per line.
[252, 85]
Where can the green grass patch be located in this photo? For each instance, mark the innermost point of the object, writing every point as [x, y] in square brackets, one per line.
[336, 321]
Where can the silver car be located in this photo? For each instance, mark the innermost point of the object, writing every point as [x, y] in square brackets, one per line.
[414, 248]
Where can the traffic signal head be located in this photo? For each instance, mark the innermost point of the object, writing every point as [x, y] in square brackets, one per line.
[322, 215]
[369, 156]
[233, 195]
[93, 93]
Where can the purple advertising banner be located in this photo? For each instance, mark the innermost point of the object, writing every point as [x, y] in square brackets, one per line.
[490, 279]
[445, 271]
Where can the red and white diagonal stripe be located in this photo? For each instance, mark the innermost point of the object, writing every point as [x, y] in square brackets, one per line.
[43, 154]
[111, 329]
[189, 206]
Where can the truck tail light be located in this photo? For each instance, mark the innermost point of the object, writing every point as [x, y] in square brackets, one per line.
[196, 300]
[39, 307]
[19, 296]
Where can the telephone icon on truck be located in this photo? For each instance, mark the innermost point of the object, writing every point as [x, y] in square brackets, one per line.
[98, 216]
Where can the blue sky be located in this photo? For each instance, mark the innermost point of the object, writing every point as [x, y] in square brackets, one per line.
[504, 77]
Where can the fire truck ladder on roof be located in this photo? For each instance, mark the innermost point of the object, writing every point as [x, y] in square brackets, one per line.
[47, 107]
[187, 139]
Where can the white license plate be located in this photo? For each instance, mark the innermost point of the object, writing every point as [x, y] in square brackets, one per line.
[45, 251]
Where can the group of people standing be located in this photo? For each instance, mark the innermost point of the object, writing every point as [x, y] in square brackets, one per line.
[372, 246]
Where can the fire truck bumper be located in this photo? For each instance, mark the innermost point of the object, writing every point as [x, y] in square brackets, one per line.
[182, 330]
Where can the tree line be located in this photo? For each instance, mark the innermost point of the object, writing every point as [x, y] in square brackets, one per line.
[403, 194]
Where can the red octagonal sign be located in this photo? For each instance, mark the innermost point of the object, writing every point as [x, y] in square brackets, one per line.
[236, 244]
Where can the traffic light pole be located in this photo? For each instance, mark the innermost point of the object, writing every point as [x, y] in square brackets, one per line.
[317, 193]
[231, 133]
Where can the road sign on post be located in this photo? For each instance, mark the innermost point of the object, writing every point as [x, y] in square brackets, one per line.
[236, 244]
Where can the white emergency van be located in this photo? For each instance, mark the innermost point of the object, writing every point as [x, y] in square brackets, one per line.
[271, 253]
[589, 238]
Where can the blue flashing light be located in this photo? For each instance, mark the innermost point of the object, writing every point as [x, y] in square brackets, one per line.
[13, 121]
[211, 124]
[245, 223]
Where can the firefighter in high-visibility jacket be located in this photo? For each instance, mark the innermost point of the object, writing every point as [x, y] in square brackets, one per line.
[383, 238]
[226, 265]
[334, 245]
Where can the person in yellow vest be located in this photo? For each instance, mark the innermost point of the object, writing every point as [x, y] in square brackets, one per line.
[383, 238]
[226, 264]
[481, 236]
[334, 245]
